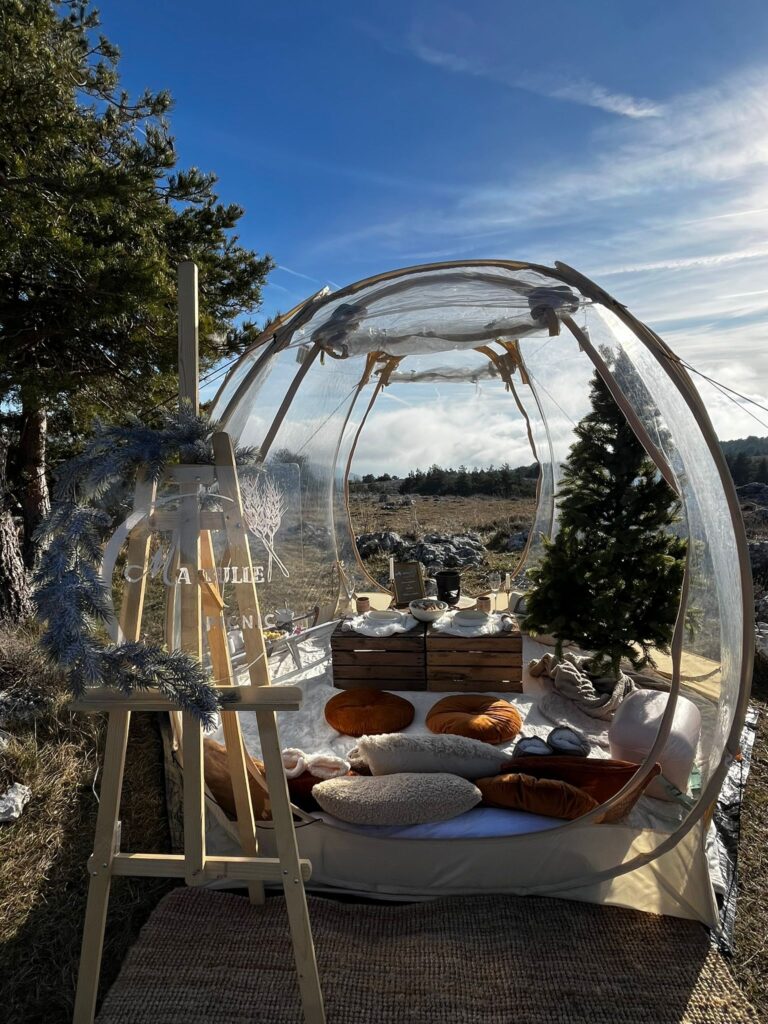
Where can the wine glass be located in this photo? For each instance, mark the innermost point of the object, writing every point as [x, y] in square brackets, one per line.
[494, 582]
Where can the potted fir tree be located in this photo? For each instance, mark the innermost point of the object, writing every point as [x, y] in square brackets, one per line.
[610, 580]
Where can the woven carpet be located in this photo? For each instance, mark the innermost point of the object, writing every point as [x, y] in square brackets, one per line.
[212, 957]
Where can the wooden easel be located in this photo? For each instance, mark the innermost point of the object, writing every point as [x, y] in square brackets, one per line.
[200, 603]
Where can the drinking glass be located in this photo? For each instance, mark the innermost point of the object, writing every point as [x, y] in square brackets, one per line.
[494, 582]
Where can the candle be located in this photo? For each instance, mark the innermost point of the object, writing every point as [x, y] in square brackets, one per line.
[391, 567]
[507, 583]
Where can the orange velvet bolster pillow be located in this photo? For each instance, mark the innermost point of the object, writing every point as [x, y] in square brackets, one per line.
[219, 781]
[600, 777]
[368, 712]
[475, 715]
[548, 797]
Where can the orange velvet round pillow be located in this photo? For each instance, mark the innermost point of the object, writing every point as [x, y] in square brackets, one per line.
[477, 716]
[368, 712]
[548, 797]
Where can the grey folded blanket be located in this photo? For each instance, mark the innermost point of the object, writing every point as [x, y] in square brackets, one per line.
[596, 696]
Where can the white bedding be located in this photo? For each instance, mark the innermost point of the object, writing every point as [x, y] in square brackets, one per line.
[334, 847]
[308, 730]
[479, 823]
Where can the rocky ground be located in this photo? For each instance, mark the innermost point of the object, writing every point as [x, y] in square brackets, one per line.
[478, 535]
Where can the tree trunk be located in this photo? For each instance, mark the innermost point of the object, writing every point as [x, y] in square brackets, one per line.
[15, 603]
[33, 490]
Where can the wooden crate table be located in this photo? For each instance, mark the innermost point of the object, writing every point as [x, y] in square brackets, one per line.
[396, 662]
[475, 664]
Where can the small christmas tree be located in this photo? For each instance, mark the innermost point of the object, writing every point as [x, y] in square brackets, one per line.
[610, 580]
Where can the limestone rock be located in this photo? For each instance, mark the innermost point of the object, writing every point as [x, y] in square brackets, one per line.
[13, 801]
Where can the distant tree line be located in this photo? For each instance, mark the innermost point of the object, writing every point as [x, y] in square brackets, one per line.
[747, 460]
[383, 478]
[747, 470]
[751, 446]
[496, 481]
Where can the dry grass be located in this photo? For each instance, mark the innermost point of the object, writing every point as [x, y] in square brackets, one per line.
[43, 880]
[484, 515]
[750, 961]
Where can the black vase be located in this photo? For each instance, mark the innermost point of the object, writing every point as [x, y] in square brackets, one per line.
[448, 585]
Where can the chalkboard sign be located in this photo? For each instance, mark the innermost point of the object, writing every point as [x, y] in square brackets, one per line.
[408, 581]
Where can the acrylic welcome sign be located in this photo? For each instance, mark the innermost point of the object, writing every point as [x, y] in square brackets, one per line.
[272, 523]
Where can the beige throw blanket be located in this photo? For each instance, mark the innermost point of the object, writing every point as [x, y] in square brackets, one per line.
[596, 696]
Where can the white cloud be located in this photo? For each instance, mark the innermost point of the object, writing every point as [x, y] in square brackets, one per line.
[581, 90]
[296, 273]
[664, 175]
[715, 259]
[456, 427]
[573, 90]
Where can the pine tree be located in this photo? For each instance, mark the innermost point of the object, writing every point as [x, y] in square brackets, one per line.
[741, 471]
[94, 217]
[610, 580]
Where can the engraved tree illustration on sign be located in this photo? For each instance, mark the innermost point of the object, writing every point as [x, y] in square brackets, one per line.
[264, 506]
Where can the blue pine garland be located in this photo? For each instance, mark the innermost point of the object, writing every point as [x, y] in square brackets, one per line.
[70, 596]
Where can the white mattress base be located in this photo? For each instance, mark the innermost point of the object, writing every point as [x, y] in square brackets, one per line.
[543, 863]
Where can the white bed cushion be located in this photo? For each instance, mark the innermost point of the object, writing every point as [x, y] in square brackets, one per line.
[479, 823]
[444, 752]
[405, 799]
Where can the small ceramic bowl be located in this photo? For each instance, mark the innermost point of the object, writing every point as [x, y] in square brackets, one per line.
[427, 609]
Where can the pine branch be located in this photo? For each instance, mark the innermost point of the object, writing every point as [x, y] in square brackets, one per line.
[70, 595]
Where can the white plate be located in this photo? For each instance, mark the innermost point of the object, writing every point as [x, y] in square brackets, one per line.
[470, 617]
[386, 615]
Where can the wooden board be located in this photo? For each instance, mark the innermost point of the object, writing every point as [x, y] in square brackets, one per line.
[475, 664]
[396, 662]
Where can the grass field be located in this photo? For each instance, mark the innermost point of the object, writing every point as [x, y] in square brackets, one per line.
[43, 881]
[43, 855]
[750, 963]
[484, 515]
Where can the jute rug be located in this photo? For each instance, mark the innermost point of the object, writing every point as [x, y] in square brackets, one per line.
[211, 957]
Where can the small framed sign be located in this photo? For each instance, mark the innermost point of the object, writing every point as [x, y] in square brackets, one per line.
[408, 582]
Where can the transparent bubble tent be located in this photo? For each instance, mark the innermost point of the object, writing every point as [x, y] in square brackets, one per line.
[304, 395]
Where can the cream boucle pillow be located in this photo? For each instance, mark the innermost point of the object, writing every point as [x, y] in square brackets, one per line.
[401, 752]
[405, 799]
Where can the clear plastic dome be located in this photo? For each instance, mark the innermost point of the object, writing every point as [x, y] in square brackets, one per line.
[303, 395]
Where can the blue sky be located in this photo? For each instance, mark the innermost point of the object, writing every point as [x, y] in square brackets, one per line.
[627, 139]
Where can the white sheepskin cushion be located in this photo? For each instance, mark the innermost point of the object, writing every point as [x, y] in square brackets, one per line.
[444, 752]
[405, 799]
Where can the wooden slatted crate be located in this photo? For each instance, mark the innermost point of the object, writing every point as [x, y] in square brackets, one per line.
[396, 662]
[475, 664]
